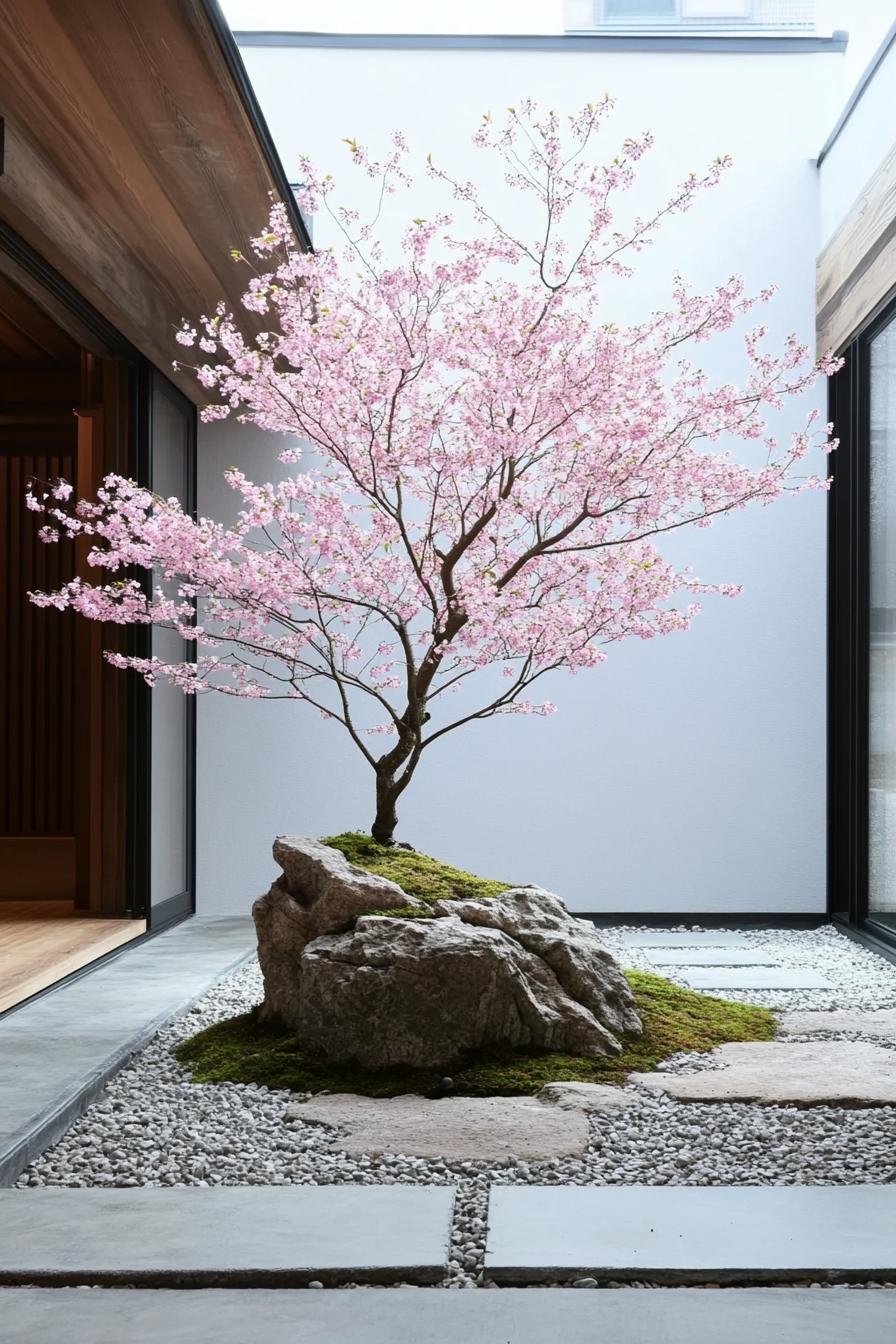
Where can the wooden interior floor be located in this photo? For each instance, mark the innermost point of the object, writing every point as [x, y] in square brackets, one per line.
[42, 941]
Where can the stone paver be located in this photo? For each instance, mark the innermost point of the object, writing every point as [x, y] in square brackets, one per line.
[812, 1073]
[709, 956]
[243, 1235]
[755, 977]
[57, 1052]
[432, 1316]
[680, 1234]
[705, 938]
[880, 1023]
[455, 1128]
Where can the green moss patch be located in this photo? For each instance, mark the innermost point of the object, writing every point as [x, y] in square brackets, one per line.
[241, 1050]
[419, 875]
[404, 912]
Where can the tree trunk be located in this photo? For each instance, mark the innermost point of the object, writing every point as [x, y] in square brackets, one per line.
[390, 785]
[388, 791]
[386, 819]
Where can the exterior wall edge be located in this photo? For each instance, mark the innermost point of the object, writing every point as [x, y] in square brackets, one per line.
[571, 43]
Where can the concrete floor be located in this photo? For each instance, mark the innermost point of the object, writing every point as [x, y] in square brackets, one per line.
[57, 1051]
[434, 1316]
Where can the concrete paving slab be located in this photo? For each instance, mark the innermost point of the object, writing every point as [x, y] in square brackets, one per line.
[788, 1073]
[689, 1234]
[433, 1316]
[57, 1052]
[709, 956]
[249, 1236]
[703, 938]
[755, 977]
[458, 1129]
[881, 1023]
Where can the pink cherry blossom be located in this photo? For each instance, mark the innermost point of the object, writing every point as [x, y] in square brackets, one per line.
[495, 459]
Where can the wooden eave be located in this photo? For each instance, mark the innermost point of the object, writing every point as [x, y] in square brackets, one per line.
[856, 271]
[135, 159]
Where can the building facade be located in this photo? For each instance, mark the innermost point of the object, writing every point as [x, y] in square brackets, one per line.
[856, 297]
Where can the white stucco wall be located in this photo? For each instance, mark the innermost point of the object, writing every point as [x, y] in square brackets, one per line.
[685, 774]
[856, 154]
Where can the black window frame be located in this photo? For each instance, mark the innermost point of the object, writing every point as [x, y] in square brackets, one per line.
[849, 612]
[181, 904]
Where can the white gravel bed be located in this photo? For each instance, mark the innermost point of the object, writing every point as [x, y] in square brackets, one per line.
[860, 978]
[153, 1126]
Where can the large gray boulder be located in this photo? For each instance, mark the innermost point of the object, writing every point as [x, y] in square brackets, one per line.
[541, 923]
[406, 991]
[320, 892]
[516, 970]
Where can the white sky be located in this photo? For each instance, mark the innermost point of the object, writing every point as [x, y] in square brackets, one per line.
[398, 16]
[866, 20]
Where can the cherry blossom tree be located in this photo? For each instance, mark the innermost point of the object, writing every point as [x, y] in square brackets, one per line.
[483, 462]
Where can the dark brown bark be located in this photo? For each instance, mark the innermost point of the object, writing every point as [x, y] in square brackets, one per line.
[386, 819]
[395, 769]
[390, 784]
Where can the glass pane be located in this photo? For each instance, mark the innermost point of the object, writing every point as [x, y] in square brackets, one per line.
[169, 793]
[882, 707]
[640, 9]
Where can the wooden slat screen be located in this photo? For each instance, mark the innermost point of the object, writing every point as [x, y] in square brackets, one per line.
[37, 709]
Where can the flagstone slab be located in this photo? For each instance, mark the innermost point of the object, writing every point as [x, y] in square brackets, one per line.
[238, 1235]
[454, 1128]
[512, 1316]
[812, 1073]
[709, 956]
[755, 977]
[880, 1023]
[689, 1234]
[702, 938]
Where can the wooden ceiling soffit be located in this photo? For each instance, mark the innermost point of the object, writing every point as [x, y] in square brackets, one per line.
[82, 330]
[857, 269]
[132, 163]
[28, 335]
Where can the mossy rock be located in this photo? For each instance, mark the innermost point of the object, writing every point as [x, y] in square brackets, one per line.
[419, 875]
[241, 1050]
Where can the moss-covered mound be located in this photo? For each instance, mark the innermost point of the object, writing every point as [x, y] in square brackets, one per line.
[242, 1051]
[428, 879]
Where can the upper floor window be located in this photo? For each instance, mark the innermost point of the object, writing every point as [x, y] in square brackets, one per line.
[704, 15]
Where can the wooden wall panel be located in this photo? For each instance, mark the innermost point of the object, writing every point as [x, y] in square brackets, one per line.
[36, 868]
[63, 710]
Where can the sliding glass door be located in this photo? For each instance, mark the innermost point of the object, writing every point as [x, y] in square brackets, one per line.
[862, 634]
[882, 626]
[172, 465]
